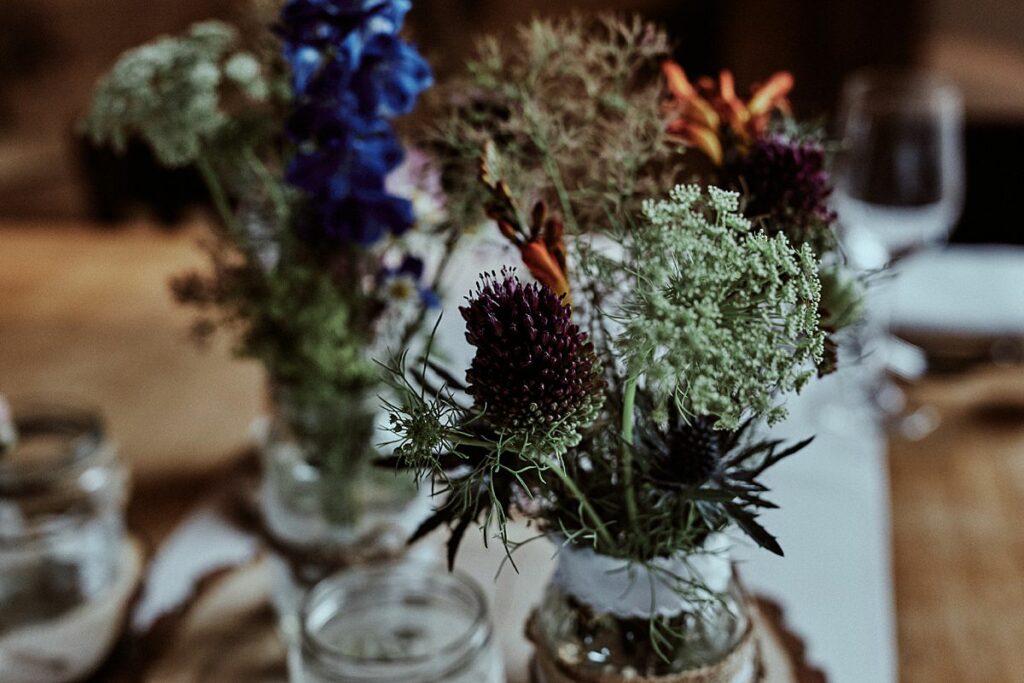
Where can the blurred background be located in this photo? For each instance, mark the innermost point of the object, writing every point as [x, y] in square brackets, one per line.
[52, 51]
[88, 241]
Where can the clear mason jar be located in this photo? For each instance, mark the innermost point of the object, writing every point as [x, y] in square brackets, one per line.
[325, 505]
[62, 497]
[602, 618]
[408, 622]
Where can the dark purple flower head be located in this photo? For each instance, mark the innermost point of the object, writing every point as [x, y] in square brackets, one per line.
[787, 182]
[533, 367]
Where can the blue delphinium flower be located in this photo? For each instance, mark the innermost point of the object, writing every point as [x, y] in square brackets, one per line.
[351, 74]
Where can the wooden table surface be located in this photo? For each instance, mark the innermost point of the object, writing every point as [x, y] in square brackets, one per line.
[86, 313]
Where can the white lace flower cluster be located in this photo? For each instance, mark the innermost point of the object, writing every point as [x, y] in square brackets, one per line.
[168, 92]
[720, 319]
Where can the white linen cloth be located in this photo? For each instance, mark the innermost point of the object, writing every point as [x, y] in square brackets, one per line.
[965, 289]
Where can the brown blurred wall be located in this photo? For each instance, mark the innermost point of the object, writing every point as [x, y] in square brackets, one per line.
[52, 51]
[60, 48]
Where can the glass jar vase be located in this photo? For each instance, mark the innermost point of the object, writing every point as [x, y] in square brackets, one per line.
[675, 619]
[326, 506]
[409, 622]
[66, 569]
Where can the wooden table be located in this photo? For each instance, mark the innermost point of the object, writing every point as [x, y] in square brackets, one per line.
[958, 533]
[87, 312]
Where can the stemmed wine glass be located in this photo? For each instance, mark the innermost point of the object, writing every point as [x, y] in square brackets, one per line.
[899, 189]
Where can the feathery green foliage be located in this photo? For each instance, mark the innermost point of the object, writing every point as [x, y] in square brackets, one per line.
[572, 104]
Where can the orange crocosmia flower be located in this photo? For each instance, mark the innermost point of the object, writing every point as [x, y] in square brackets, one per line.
[769, 97]
[544, 266]
[696, 123]
[705, 110]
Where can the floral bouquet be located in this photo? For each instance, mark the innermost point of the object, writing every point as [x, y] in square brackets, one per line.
[331, 241]
[675, 275]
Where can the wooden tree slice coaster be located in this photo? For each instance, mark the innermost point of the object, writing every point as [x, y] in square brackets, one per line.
[783, 652]
[228, 633]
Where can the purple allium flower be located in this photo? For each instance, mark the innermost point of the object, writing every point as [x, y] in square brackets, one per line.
[786, 181]
[533, 367]
[351, 74]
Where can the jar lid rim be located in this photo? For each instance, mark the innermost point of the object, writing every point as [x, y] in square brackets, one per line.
[450, 657]
[84, 438]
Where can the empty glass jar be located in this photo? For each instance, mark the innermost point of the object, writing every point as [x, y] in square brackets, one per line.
[62, 496]
[410, 622]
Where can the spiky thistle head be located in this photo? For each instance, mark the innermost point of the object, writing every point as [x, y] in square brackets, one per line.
[693, 450]
[534, 374]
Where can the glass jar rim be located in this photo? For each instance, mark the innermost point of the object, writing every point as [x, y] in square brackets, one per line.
[83, 428]
[334, 592]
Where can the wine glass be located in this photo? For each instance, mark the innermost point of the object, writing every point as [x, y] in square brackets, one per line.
[900, 177]
[899, 189]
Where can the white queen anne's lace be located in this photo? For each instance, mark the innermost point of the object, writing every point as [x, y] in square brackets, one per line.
[720, 319]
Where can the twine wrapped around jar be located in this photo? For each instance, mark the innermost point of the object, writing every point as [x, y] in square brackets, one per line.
[741, 665]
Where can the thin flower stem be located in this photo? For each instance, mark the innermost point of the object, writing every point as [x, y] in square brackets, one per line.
[562, 192]
[468, 441]
[628, 403]
[442, 267]
[551, 167]
[217, 194]
[600, 527]
[271, 184]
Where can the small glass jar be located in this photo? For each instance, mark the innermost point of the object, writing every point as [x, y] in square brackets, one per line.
[325, 505]
[604, 618]
[62, 497]
[409, 622]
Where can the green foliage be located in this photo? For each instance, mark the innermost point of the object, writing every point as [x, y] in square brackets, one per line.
[169, 93]
[216, 99]
[572, 106]
[292, 317]
[719, 319]
[842, 298]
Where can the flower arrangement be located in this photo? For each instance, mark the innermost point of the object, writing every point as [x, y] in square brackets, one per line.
[332, 240]
[686, 278]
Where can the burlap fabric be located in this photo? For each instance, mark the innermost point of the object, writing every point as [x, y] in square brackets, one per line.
[546, 667]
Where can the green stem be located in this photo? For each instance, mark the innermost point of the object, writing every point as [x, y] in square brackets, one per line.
[628, 403]
[217, 194]
[467, 441]
[551, 165]
[562, 192]
[449, 249]
[273, 188]
[602, 530]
